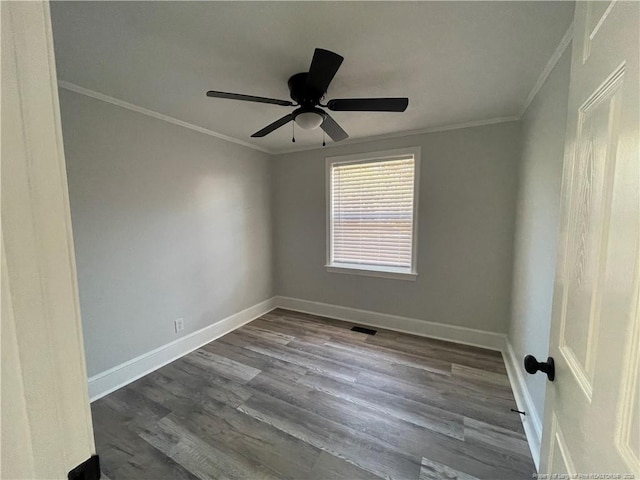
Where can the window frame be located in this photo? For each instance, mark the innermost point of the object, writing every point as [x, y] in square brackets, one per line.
[373, 270]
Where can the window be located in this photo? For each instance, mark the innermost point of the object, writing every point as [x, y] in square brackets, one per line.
[372, 205]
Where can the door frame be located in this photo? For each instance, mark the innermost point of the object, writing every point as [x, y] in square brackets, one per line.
[46, 416]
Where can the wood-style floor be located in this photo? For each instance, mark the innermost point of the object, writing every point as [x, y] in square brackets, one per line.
[295, 396]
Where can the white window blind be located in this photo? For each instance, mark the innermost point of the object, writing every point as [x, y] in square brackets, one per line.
[372, 213]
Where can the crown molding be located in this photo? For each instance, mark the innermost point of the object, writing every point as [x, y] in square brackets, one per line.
[160, 116]
[407, 133]
[152, 113]
[562, 46]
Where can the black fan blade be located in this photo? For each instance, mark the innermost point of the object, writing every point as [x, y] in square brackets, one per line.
[332, 129]
[323, 68]
[275, 125]
[368, 104]
[248, 98]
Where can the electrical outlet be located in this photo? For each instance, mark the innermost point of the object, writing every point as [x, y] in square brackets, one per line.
[179, 324]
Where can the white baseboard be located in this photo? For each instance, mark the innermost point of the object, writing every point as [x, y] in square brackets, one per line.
[127, 372]
[117, 377]
[531, 421]
[413, 326]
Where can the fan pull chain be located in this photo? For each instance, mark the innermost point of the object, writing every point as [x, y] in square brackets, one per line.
[293, 132]
[323, 139]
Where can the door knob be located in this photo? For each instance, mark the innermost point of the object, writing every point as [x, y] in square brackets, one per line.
[531, 365]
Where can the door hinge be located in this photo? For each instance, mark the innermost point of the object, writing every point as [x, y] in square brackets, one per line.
[88, 470]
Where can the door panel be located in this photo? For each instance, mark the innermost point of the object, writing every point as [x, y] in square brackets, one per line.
[628, 411]
[592, 172]
[560, 459]
[591, 411]
[596, 14]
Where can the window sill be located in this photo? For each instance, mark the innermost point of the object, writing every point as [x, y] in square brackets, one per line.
[379, 272]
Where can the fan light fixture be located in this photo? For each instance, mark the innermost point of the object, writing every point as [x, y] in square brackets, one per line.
[307, 90]
[309, 120]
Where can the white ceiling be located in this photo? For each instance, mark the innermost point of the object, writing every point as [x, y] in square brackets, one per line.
[457, 62]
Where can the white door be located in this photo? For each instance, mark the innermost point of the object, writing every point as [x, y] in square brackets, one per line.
[46, 421]
[592, 408]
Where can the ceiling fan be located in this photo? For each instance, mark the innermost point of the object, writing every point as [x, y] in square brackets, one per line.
[307, 89]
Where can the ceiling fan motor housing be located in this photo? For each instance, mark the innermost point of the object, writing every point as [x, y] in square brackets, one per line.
[300, 92]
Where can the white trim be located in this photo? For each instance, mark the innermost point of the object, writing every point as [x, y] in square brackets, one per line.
[152, 113]
[50, 421]
[72, 87]
[406, 133]
[531, 421]
[562, 46]
[564, 43]
[375, 156]
[413, 326]
[590, 35]
[362, 270]
[117, 377]
[127, 372]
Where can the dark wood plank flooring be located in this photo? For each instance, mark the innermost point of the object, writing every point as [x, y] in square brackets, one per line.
[296, 396]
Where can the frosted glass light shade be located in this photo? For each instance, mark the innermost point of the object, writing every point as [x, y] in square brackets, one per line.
[309, 120]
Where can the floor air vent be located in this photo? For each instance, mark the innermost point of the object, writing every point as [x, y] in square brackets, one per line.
[368, 331]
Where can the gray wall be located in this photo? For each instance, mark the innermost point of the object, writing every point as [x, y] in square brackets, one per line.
[467, 203]
[168, 223]
[544, 126]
